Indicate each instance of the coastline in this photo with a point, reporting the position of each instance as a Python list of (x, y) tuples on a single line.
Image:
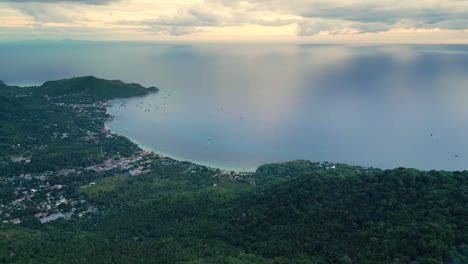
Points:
[(174, 157)]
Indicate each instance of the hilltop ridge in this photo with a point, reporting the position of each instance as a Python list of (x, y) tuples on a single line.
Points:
[(95, 87)]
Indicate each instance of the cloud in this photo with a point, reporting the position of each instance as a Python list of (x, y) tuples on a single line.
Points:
[(334, 17), (185, 21), (363, 16), (90, 2), (189, 17), (71, 12), (311, 17), (195, 18), (310, 27), (50, 13), (173, 30)]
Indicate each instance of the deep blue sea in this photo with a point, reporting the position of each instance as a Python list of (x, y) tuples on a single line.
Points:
[(237, 106)]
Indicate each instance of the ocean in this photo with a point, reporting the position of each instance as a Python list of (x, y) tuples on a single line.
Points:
[(237, 106)]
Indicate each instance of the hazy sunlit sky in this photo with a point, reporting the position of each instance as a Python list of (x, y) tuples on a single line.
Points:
[(335, 21)]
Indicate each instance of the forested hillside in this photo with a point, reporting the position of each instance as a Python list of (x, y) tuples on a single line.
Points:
[(58, 125), (72, 192), (96, 88), (399, 215), (342, 215)]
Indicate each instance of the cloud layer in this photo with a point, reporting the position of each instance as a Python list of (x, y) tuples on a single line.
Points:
[(91, 2), (364, 16), (306, 17), (312, 17), (195, 18)]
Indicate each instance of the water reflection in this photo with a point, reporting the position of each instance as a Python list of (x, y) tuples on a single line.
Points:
[(239, 106)]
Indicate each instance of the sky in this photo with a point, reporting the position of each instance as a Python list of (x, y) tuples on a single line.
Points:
[(302, 21)]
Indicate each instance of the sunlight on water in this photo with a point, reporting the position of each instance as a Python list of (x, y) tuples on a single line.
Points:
[(238, 106)]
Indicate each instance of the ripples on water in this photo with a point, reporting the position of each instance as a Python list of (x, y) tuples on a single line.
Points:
[(238, 106)]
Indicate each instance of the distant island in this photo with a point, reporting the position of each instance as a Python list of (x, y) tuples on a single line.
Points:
[(71, 191)]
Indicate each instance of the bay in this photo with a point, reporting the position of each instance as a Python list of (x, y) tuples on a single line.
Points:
[(237, 106)]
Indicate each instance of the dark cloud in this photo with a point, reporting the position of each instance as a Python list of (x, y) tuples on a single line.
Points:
[(56, 11), (42, 13), (311, 16), (366, 13), (90, 2), (334, 16)]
